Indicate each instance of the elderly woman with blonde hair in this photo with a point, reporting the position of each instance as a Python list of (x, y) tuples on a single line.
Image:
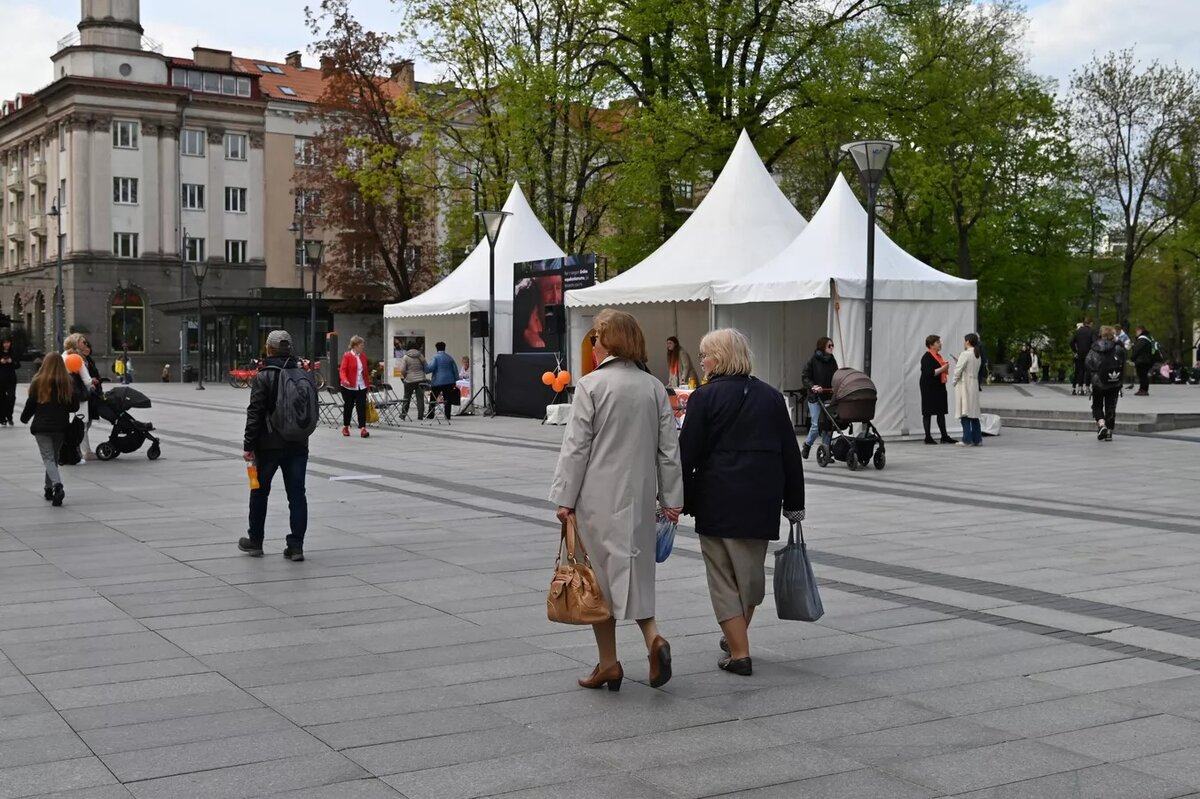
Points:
[(620, 454), (741, 469)]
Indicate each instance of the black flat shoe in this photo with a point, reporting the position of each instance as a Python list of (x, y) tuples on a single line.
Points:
[(742, 666), (724, 645), (250, 548), (48, 493), (56, 499), (948, 440), (930, 441)]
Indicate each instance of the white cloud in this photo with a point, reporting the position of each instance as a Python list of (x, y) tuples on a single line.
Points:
[(1064, 34)]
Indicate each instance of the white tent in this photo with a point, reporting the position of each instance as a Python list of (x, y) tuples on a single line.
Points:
[(443, 312), (817, 286), (742, 222)]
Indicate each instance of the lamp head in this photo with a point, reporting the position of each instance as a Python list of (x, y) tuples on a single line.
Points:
[(492, 222), (1097, 279), (871, 158), (293, 228), (54, 209), (199, 270), (313, 249)]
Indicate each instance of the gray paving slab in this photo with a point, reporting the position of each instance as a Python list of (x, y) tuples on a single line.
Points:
[(987, 766), (1127, 740), (1095, 782), (60, 775), (862, 784), (257, 779)]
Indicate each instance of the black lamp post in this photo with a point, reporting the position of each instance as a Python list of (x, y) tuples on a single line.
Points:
[(871, 158), (313, 250), (1096, 278), (60, 307), (492, 222), (200, 271)]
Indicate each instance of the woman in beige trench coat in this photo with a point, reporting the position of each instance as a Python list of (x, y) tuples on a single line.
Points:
[(966, 391), (619, 453)]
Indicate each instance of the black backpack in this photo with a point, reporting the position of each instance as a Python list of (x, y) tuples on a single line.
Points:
[(294, 413), (1110, 369)]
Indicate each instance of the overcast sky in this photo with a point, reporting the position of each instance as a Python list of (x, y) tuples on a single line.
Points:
[(1063, 33)]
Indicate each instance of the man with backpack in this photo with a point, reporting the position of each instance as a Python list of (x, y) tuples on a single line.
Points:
[(1106, 364), (1145, 352), (282, 414)]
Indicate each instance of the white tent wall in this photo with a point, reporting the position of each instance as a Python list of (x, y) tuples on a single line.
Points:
[(781, 335), (455, 330), (687, 321)]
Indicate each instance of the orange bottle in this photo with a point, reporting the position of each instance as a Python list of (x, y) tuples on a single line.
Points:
[(252, 474)]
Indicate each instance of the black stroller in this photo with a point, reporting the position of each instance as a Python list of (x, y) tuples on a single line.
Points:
[(128, 434), (851, 400)]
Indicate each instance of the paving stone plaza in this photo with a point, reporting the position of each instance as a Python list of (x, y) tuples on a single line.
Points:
[(1016, 621)]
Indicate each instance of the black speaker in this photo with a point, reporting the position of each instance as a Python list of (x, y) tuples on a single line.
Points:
[(479, 324), (556, 319)]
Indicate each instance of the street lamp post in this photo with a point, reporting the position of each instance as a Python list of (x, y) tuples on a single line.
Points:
[(60, 307), (312, 253), (1096, 277), (871, 158), (123, 283), (492, 222), (200, 271)]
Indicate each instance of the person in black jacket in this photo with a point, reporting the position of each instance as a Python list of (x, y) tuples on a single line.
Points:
[(1106, 363), (1142, 356), (271, 453), (53, 397), (1081, 345), (741, 468), (8, 381), (934, 397), (817, 379)]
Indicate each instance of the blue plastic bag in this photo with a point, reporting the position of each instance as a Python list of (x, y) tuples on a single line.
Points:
[(664, 536)]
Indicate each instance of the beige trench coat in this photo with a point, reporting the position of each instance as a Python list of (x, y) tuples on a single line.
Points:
[(966, 385), (620, 453)]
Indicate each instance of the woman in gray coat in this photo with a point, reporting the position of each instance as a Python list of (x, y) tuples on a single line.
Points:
[(619, 454)]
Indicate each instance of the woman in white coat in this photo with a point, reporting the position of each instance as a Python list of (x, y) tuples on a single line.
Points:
[(966, 392), (619, 454)]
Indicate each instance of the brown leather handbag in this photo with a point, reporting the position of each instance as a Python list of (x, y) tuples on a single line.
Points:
[(575, 596)]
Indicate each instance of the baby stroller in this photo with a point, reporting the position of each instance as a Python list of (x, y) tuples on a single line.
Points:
[(128, 434), (851, 400)]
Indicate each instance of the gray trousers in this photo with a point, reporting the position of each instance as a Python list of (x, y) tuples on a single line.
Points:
[(49, 445)]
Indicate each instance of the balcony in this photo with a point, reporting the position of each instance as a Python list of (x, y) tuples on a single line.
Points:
[(16, 230), (37, 223), (15, 180), (37, 172)]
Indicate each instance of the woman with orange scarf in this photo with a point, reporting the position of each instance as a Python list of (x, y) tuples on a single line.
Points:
[(934, 399)]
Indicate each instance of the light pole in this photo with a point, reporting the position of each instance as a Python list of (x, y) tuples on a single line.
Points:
[(123, 284), (312, 253), (871, 158), (492, 222), (60, 307), (1096, 277), (298, 228), (200, 271)]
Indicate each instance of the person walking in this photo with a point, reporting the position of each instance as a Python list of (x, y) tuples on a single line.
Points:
[(272, 448), (1106, 363), (966, 392), (1081, 345), (1035, 365), (53, 397), (817, 378), (9, 364), (353, 375), (412, 374), (738, 442), (442, 376), (1145, 348), (619, 452), (680, 371), (934, 398), (1024, 363)]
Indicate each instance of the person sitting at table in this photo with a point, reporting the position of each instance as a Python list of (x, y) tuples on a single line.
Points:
[(680, 371), (464, 373)]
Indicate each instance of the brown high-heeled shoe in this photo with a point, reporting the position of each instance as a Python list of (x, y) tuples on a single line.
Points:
[(611, 676), (660, 662)]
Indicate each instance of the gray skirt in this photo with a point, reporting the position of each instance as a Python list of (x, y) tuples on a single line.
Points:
[(736, 571)]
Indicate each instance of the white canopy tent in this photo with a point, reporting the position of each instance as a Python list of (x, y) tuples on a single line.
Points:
[(443, 312), (742, 222), (817, 286)]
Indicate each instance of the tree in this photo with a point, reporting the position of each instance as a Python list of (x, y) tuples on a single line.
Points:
[(375, 174), (1137, 131)]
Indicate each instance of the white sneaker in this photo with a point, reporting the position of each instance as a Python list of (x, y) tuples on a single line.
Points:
[(959, 444)]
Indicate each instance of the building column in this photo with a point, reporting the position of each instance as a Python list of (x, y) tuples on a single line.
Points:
[(168, 190), (215, 206)]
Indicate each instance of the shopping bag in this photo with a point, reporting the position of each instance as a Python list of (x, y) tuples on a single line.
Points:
[(575, 596), (796, 595), (69, 454), (372, 413), (664, 536)]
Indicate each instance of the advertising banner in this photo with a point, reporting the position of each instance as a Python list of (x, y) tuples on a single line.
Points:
[(539, 317)]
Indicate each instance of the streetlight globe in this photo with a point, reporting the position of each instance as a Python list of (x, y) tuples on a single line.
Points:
[(871, 157), (492, 222), (199, 270), (313, 250), (1097, 279)]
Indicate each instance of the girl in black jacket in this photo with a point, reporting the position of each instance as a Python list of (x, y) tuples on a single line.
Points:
[(8, 381), (53, 397)]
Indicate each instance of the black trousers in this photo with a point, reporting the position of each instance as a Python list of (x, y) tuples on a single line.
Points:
[(1143, 373), (941, 421), (8, 399), (1080, 377), (417, 388), (434, 393), (1104, 405), (354, 399)]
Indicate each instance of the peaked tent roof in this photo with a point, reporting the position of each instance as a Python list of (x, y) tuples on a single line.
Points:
[(834, 246), (742, 222), (522, 238)]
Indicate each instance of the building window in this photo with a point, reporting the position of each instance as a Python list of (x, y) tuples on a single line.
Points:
[(305, 152), (193, 141), (235, 200), (62, 137), (125, 134), (193, 197), (243, 87), (210, 82), (308, 202), (62, 193), (235, 251), (125, 245), (683, 190), (288, 90), (125, 191), (128, 322), (228, 84), (235, 146), (193, 249)]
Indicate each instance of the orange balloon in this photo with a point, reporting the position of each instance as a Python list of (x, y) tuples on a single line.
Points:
[(565, 377), (74, 363), (559, 385), (547, 378)]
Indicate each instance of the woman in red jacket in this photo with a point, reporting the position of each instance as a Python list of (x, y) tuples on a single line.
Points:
[(355, 377)]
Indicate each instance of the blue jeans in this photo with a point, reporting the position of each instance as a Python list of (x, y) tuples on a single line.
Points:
[(972, 431), (814, 428), (293, 464)]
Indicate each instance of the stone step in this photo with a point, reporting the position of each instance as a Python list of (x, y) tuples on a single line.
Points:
[(1083, 424), (1083, 412)]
